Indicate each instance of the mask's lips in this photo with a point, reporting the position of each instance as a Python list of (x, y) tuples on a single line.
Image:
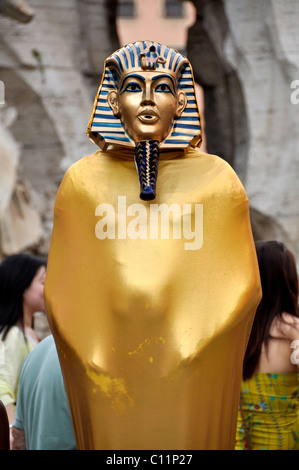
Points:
[(148, 115)]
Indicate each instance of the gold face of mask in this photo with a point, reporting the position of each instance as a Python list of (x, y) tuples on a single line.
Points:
[(147, 103)]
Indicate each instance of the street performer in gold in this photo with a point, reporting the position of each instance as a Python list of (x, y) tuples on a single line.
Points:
[(152, 280)]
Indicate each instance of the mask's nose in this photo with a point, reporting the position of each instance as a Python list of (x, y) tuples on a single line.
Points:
[(148, 95)]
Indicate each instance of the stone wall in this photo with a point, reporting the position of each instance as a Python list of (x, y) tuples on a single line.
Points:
[(245, 54), (51, 66)]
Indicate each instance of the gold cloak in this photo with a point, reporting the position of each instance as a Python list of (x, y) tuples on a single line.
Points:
[(151, 334)]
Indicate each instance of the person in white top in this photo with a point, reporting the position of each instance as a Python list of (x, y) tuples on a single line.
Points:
[(22, 279)]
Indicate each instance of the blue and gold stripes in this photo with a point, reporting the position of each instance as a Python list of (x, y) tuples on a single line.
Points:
[(105, 129), (104, 123), (187, 127)]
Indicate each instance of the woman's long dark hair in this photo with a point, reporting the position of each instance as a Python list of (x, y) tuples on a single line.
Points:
[(279, 281), (16, 274)]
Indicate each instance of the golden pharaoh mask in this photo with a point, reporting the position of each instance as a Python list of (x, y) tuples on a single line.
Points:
[(105, 128)]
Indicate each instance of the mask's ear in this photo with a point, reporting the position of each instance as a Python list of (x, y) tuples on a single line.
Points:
[(113, 102), (182, 103)]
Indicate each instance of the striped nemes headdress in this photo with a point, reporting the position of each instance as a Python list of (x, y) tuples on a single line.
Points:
[(106, 129)]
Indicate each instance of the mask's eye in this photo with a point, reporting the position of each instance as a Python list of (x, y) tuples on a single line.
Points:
[(163, 88), (133, 87)]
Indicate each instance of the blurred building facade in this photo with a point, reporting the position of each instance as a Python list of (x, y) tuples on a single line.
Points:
[(163, 21)]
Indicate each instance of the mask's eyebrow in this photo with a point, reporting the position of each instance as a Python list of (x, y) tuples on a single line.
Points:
[(131, 75), (163, 75)]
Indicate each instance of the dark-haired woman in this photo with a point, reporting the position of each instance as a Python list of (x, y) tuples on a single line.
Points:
[(268, 416), (22, 279)]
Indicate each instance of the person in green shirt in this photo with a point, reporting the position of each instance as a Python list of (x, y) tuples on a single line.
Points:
[(43, 419)]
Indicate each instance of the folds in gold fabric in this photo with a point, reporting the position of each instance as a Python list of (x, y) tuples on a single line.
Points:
[(151, 302)]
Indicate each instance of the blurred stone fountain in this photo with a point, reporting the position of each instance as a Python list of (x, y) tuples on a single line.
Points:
[(51, 59), (245, 55)]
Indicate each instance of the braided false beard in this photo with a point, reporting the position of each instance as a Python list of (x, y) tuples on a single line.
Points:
[(146, 160)]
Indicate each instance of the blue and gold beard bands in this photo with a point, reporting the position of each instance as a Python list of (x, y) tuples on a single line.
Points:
[(147, 160)]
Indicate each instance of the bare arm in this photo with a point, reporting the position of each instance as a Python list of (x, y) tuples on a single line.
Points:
[(10, 413), (18, 439), (287, 327)]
